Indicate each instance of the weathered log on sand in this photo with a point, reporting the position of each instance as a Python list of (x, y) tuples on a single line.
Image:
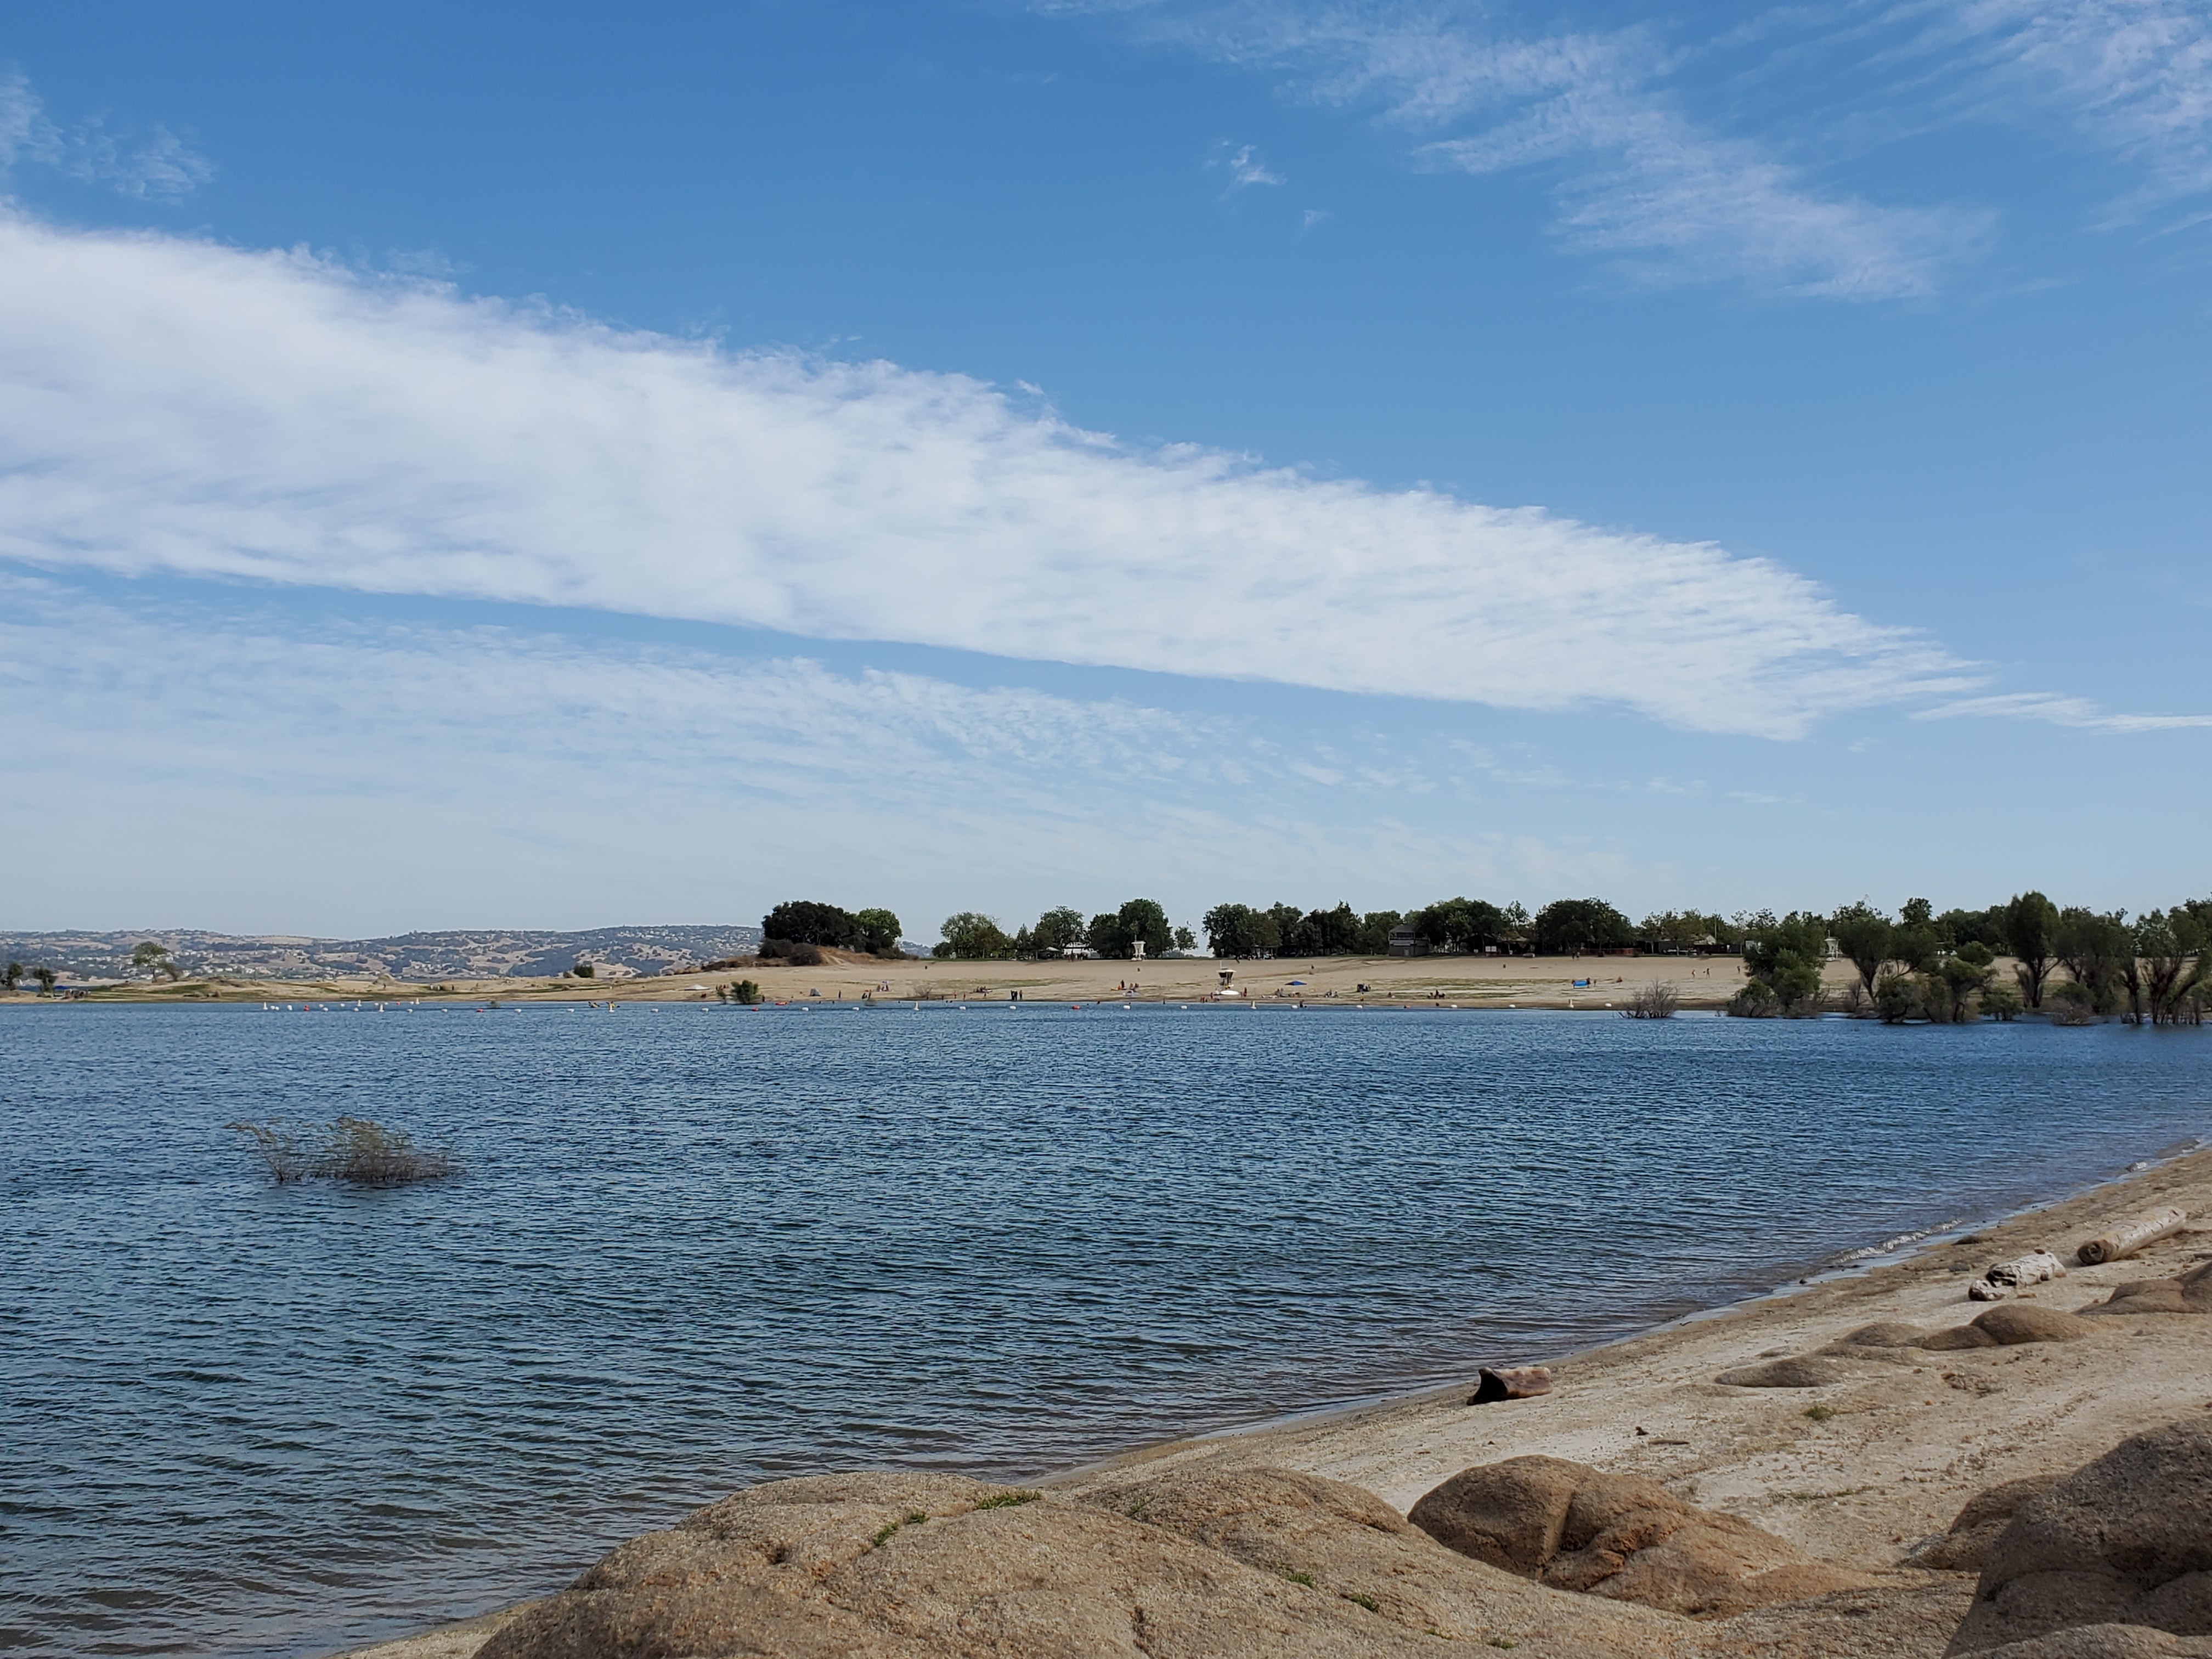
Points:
[(2009, 1276), (1518, 1383), (2124, 1241)]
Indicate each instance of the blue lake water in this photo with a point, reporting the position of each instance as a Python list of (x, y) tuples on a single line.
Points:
[(696, 1247)]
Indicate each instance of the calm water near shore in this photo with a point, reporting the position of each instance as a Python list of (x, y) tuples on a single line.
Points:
[(696, 1247)]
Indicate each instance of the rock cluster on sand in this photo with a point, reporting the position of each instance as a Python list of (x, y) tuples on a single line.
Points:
[(1619, 1536), (2190, 1293), (2124, 1542), (2113, 1561)]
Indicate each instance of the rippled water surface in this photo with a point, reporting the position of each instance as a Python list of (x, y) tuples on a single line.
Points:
[(696, 1247)]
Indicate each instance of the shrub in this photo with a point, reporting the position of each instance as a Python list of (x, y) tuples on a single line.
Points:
[(745, 992), (584, 970), (2002, 1001), (797, 952), (355, 1149), (1653, 1001), (2070, 1004), (1896, 998), (1756, 1000)]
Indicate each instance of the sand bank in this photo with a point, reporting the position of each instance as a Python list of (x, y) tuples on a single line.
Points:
[(1855, 1472), (1419, 982)]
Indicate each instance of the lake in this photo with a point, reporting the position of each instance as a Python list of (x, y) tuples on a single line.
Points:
[(696, 1247)]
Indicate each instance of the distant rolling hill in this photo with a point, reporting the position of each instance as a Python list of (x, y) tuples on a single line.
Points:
[(457, 953)]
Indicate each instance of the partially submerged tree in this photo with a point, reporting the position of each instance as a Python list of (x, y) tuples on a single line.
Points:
[(2098, 950), (1784, 959), (2030, 924), (2176, 966)]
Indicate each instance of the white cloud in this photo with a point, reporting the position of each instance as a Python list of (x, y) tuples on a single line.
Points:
[(219, 762), (2074, 711), (2136, 75), (159, 166), (1637, 175), (1244, 166), (168, 405)]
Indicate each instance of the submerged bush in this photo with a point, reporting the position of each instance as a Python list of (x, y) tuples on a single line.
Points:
[(1657, 1000), (355, 1149)]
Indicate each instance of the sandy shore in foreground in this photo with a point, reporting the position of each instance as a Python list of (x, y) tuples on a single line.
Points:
[(1856, 1473)]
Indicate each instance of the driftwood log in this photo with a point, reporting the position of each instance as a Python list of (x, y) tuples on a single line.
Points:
[(2123, 1242), (1519, 1382), (2006, 1277)]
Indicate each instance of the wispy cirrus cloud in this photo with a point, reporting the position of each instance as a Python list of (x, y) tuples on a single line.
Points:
[(171, 405), (1637, 174), (2134, 75), (2078, 713), (159, 166), (469, 769)]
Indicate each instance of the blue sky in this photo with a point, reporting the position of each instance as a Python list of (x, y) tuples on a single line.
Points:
[(553, 467)]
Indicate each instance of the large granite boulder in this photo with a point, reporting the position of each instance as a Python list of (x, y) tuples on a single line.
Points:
[(904, 1567), (1195, 1565), (1575, 1527), (2014, 1323), (2124, 1541), (2106, 1641), (1348, 1543), (1987, 1514), (2190, 1293), (1798, 1372)]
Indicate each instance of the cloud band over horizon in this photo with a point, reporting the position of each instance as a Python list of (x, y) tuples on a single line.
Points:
[(179, 406)]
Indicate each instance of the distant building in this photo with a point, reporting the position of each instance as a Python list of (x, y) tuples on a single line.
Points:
[(1406, 941)]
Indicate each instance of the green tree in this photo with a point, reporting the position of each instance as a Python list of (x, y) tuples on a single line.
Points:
[(153, 958), (1786, 957), (1951, 987), (1238, 930), (1185, 940), (1375, 930), (1142, 920), (1573, 925), (1915, 941), (2176, 969), (584, 970), (876, 931), (1325, 933), (1985, 927), (11, 976), (45, 976), (1057, 929), (804, 922), (2030, 924), (1863, 935), (971, 936), (2092, 946), (1466, 925)]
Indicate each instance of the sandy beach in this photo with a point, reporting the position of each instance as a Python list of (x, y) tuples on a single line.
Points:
[(1429, 982), (1857, 1473)]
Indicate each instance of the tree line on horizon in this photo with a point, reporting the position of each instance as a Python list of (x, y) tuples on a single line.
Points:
[(1918, 964)]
